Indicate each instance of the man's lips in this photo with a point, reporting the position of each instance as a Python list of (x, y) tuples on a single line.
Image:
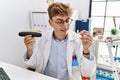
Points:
[(63, 30)]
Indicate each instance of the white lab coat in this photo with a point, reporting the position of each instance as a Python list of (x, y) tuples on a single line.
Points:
[(41, 52)]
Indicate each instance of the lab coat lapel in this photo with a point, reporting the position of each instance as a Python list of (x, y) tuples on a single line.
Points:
[(47, 49), (69, 58), (70, 50)]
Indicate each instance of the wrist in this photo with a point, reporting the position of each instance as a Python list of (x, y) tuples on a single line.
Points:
[(86, 52), (29, 53)]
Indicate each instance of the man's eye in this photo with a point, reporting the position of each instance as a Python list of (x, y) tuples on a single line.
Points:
[(67, 20), (59, 22)]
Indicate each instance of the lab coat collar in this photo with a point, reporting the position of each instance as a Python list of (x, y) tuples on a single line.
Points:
[(49, 35), (71, 37), (70, 50)]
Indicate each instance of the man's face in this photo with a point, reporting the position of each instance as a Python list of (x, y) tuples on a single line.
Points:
[(60, 24)]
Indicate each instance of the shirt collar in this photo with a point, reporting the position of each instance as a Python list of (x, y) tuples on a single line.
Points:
[(53, 36)]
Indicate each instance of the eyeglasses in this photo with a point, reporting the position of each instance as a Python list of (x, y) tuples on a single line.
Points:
[(61, 21)]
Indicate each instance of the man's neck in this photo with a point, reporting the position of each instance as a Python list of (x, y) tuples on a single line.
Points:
[(59, 37)]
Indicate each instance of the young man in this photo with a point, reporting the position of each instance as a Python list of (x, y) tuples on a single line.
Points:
[(61, 53)]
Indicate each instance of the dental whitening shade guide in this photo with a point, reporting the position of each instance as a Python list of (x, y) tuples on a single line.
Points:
[(33, 33)]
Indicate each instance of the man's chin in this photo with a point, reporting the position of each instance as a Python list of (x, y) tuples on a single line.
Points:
[(65, 33)]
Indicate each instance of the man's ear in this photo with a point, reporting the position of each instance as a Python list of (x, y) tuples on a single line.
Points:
[(50, 22)]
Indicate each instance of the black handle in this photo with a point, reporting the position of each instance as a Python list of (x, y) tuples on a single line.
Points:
[(34, 34)]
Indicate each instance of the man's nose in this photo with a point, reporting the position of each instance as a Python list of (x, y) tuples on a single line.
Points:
[(65, 24)]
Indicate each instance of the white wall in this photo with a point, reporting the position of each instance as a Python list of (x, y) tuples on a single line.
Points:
[(81, 5), (14, 17)]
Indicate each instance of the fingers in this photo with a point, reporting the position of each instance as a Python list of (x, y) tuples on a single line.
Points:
[(84, 32), (29, 40), (86, 36)]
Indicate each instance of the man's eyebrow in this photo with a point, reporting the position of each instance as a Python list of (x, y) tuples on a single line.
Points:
[(62, 19), (59, 19)]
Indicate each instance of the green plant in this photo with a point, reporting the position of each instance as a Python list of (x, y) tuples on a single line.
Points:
[(114, 31), (94, 34)]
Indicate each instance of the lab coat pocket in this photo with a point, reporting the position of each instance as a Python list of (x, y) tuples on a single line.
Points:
[(76, 72), (75, 68)]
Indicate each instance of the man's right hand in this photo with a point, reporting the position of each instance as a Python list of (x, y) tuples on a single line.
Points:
[(29, 42)]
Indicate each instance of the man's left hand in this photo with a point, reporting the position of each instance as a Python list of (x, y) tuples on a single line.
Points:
[(86, 40)]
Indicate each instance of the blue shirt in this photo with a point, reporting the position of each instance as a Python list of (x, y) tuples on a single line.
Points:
[(57, 62)]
